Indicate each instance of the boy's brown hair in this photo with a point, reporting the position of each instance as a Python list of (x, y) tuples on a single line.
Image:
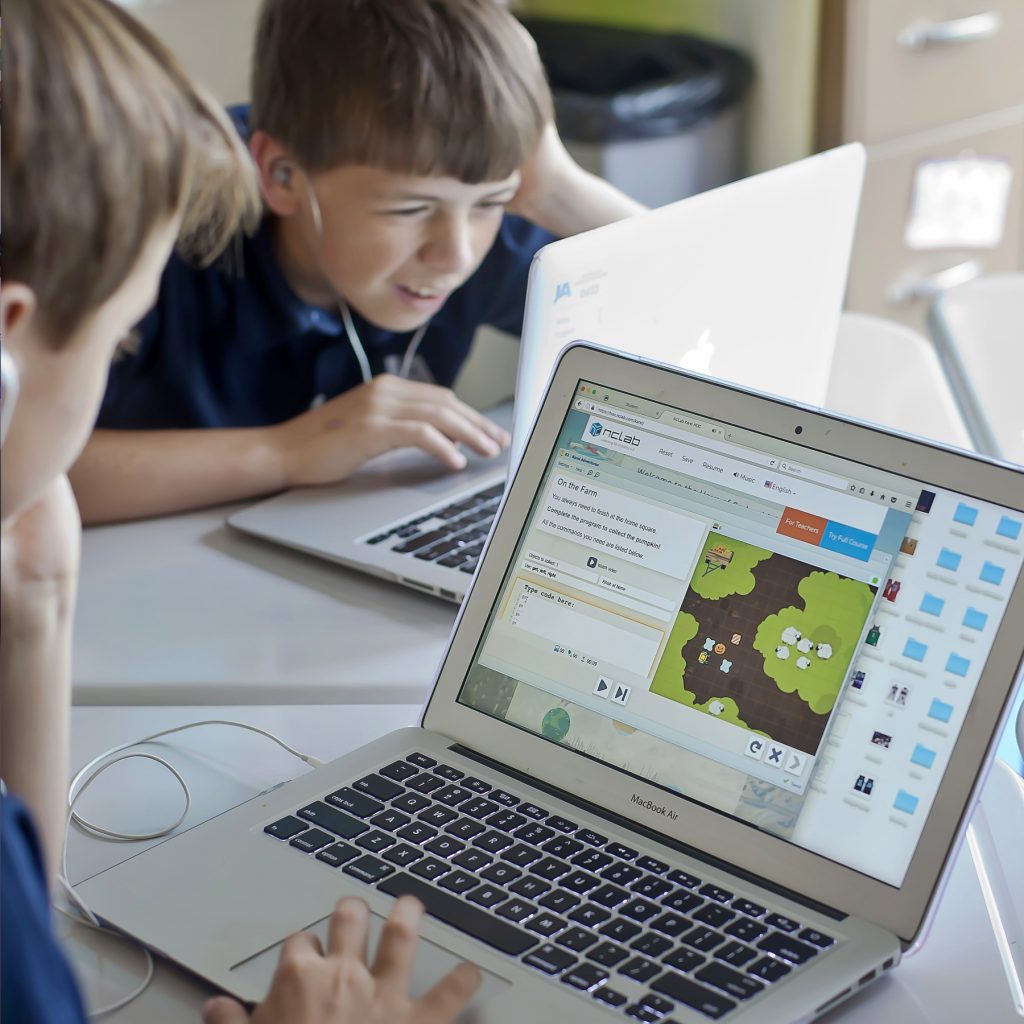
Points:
[(428, 87), (104, 139)]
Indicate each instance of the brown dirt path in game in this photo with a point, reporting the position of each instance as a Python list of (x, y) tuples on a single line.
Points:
[(783, 716)]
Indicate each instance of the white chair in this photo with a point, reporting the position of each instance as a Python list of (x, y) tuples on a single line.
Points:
[(889, 374), (978, 331)]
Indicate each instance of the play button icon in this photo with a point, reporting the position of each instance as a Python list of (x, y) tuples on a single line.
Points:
[(603, 687)]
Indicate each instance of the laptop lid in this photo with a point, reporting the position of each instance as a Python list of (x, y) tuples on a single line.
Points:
[(781, 638), (704, 282)]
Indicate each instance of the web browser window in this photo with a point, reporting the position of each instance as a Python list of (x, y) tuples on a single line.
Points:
[(746, 622)]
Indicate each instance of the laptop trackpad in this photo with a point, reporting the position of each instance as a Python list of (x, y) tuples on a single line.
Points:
[(431, 964)]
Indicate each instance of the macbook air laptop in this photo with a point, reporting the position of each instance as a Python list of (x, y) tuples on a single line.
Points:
[(702, 283), (711, 723)]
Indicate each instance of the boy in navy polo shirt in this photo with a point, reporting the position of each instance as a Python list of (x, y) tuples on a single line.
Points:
[(409, 170)]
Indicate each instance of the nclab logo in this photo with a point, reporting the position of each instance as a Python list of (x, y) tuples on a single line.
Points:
[(595, 429)]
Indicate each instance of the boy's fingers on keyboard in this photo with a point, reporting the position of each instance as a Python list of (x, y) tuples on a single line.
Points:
[(398, 943), (349, 928), (449, 996), (417, 434), (454, 424), (301, 945)]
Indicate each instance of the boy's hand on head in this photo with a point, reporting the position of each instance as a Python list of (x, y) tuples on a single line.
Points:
[(338, 986), (328, 444), (545, 177)]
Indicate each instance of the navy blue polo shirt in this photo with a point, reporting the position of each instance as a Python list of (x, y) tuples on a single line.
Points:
[(233, 346)]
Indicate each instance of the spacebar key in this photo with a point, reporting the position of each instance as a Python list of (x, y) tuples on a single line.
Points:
[(461, 915)]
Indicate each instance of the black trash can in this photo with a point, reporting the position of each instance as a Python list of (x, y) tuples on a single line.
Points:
[(657, 115)]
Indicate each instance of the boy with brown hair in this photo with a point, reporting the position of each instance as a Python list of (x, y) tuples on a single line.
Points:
[(409, 169), (109, 155)]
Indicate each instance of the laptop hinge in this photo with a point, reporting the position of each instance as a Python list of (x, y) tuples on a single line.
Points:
[(649, 833)]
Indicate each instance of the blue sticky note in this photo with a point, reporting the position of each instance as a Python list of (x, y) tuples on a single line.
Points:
[(973, 619), (992, 573), (948, 560), (914, 649), (905, 802), (965, 514), (932, 605), (1009, 528), (957, 665), (923, 756), (940, 710)]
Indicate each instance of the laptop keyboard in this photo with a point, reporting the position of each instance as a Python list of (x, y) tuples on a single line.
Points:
[(452, 535), (599, 917)]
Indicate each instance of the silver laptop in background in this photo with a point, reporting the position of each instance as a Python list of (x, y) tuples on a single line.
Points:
[(744, 282), (705, 740)]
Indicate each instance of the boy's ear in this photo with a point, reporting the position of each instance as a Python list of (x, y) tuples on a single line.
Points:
[(276, 173), (17, 307)]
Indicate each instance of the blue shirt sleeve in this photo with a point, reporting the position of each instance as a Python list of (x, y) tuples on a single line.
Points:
[(506, 271), (36, 983)]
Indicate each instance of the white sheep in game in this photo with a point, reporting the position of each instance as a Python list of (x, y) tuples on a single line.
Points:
[(804, 645), (782, 652), (790, 635), (716, 707), (824, 651), (803, 662)]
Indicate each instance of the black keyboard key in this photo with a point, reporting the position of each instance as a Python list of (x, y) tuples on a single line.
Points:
[(444, 846), (683, 878), (493, 842), (359, 804), (580, 881), (703, 938), (651, 888), (446, 771), (608, 954), (748, 907), (417, 832), (431, 868), (488, 928), (682, 902), (816, 938), (610, 996), (311, 840), (479, 808), (285, 828), (546, 924), (506, 820), (788, 948), (375, 841), (390, 821), (338, 822), (421, 540), (585, 977), (769, 969), (516, 910), (504, 798), (651, 944), (473, 860), (529, 887), (746, 930), (716, 893), (550, 959), (739, 986), (620, 930), (651, 1008), (338, 854), (671, 924), (609, 896), (521, 855), (589, 915), (658, 867), (459, 881), (621, 874), (577, 939), (475, 785), (784, 924), (452, 796), (590, 837), (563, 846), (685, 960), (688, 992), (465, 828), (425, 783), (500, 873), (535, 834), (379, 788), (438, 816), (560, 824), (549, 868), (410, 803), (592, 860), (398, 771), (639, 910), (368, 869), (714, 915), (487, 895), (403, 855), (560, 901), (735, 953), (532, 811), (625, 852), (639, 969), (420, 760)]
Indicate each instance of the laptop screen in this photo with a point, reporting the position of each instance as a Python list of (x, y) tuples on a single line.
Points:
[(790, 638)]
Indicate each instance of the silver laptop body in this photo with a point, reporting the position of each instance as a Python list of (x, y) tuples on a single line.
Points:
[(743, 664), (702, 283)]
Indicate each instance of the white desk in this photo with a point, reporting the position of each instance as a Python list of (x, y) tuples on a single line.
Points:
[(956, 977), (184, 610)]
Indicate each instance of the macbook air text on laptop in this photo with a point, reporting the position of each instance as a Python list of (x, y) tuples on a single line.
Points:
[(702, 283), (710, 726)]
